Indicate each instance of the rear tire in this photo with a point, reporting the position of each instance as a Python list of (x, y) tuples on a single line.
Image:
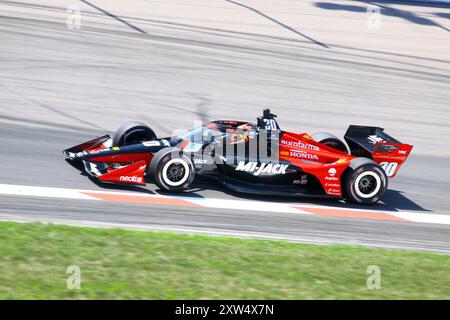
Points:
[(330, 140), (133, 133), (364, 181), (172, 170)]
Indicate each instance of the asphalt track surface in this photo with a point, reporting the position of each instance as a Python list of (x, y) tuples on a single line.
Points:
[(169, 64)]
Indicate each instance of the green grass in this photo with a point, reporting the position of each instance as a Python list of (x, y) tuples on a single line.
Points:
[(122, 264)]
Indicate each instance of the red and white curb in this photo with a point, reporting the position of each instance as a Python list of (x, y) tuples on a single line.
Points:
[(231, 204)]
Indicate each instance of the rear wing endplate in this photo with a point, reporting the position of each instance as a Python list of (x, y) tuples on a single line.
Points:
[(374, 143)]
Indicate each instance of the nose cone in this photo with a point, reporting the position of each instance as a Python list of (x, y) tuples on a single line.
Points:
[(70, 155)]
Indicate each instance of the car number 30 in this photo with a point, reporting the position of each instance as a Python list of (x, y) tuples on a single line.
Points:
[(270, 124), (389, 168)]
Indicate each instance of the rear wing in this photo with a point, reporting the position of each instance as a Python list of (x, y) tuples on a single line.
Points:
[(374, 143)]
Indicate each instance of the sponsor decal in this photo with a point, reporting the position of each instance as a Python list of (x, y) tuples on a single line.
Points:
[(331, 175), (200, 161), (303, 180), (97, 151), (116, 148), (341, 161), (151, 143), (334, 191), (269, 168), (332, 172), (374, 139), (163, 142), (402, 152), (336, 185), (134, 179), (299, 144), (303, 154)]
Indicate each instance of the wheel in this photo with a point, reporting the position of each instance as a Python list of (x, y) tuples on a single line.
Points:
[(172, 171), (330, 140), (132, 133), (364, 181)]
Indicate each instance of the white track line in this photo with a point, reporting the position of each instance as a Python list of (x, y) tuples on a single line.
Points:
[(242, 205), (423, 217), (28, 191), (247, 205)]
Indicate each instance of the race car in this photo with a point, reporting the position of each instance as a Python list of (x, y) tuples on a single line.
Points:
[(248, 157)]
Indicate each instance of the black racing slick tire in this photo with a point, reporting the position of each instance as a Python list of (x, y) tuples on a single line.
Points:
[(364, 181), (172, 171), (330, 140), (133, 132)]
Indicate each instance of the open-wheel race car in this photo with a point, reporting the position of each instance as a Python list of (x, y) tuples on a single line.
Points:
[(250, 158)]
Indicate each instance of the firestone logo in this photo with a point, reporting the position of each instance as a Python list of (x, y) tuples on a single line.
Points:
[(134, 179)]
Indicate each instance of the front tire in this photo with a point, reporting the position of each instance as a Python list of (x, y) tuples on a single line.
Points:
[(364, 182), (133, 132), (172, 170)]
